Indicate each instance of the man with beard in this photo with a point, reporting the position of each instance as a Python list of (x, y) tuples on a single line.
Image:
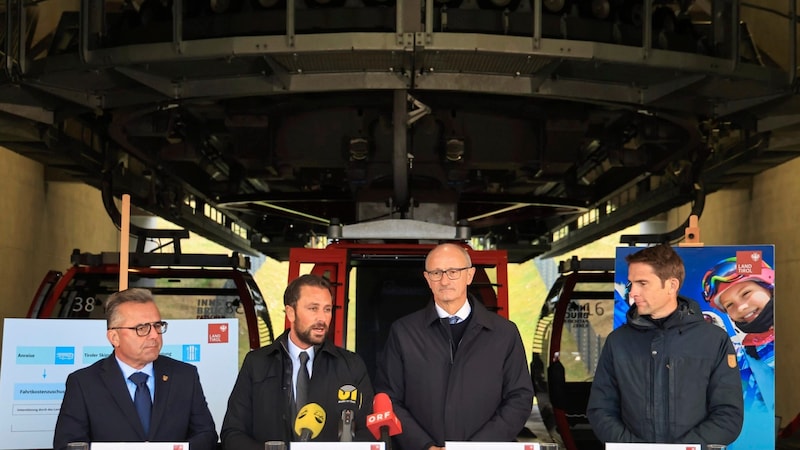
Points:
[(748, 299), (266, 399)]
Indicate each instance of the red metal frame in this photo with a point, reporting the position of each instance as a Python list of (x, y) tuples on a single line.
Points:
[(562, 423), (51, 300), (47, 285), (333, 262), (330, 263)]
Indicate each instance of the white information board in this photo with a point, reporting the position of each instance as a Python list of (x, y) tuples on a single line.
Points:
[(38, 354)]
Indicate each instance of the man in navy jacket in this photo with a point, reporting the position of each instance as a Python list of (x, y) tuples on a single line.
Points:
[(98, 404), (666, 376), (454, 370)]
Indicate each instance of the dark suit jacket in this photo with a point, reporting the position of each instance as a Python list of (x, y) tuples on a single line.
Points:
[(97, 407), (260, 407)]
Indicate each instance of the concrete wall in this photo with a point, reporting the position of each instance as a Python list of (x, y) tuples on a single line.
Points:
[(765, 210), (40, 223)]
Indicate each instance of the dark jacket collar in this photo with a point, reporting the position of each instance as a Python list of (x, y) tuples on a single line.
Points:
[(688, 312)]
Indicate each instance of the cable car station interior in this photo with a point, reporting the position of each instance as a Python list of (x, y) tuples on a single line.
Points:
[(347, 137)]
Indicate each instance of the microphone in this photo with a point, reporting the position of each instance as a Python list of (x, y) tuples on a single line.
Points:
[(309, 422), (382, 422), (349, 400), (346, 430)]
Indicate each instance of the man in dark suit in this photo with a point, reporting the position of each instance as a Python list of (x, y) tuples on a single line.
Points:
[(102, 403), (276, 381)]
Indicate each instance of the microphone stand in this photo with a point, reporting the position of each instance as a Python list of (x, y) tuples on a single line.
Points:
[(385, 437), (346, 432)]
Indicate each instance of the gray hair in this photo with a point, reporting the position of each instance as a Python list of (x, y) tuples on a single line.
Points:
[(132, 295)]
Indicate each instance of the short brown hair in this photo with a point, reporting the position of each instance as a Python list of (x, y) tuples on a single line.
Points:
[(292, 293), (135, 295), (663, 259)]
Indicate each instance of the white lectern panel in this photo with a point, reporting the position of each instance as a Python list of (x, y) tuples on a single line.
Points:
[(628, 446), (457, 445), (337, 446), (139, 446)]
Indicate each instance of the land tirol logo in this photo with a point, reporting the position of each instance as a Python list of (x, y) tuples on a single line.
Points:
[(748, 262), (218, 333)]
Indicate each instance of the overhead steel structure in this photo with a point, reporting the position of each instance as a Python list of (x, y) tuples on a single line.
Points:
[(540, 125)]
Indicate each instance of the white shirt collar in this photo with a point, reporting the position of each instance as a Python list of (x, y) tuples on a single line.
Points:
[(294, 350), (128, 370), (462, 312)]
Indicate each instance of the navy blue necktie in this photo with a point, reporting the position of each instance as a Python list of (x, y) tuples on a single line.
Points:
[(453, 320), (141, 399)]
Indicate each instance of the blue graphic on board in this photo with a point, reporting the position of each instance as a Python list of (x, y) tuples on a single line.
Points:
[(65, 355), (93, 353), (191, 353), (45, 355), (39, 391), (745, 274)]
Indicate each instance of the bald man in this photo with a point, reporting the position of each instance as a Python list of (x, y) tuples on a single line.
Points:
[(454, 370)]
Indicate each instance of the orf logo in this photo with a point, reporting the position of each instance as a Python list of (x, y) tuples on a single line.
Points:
[(379, 417), (218, 333), (348, 394)]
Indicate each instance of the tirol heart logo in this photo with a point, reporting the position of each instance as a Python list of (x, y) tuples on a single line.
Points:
[(217, 333), (748, 262)]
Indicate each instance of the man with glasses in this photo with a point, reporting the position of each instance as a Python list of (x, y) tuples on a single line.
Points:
[(454, 370), (135, 395)]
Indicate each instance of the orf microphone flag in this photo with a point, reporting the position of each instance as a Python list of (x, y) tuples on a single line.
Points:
[(382, 422), (310, 421)]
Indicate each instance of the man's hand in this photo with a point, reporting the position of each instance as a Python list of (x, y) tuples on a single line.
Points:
[(433, 447)]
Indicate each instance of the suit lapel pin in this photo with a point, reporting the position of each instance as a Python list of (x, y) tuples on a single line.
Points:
[(164, 377)]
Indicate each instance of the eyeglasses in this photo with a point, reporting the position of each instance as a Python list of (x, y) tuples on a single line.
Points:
[(453, 274), (143, 329)]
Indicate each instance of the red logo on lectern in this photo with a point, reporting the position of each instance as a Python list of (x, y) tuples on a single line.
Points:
[(217, 333)]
